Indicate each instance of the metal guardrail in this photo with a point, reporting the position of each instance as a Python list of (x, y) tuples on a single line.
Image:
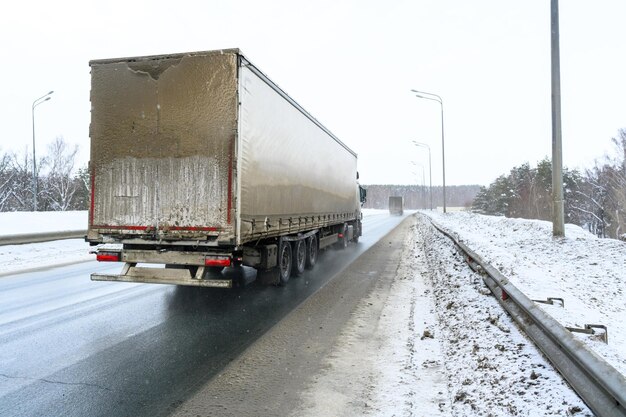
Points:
[(41, 237), (601, 386)]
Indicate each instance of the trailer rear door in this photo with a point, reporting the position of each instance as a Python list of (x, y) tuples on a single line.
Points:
[(162, 143)]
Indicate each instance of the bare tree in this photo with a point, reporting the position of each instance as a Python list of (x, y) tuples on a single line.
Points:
[(617, 184), (59, 185), (6, 177), (21, 186)]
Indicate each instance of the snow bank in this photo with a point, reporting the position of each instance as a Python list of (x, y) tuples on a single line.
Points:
[(491, 367), (17, 258), (20, 258), (587, 272)]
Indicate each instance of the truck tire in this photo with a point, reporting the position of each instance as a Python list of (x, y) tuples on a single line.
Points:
[(311, 252), (299, 257), (284, 263)]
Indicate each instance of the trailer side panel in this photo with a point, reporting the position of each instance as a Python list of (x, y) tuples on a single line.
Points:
[(293, 174)]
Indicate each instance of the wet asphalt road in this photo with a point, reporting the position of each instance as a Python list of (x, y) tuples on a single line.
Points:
[(72, 347)]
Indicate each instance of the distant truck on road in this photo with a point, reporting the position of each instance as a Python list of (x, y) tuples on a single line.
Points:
[(199, 162), (396, 204)]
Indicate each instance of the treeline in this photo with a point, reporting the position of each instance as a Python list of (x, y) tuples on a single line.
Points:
[(418, 197), (594, 198), (59, 185)]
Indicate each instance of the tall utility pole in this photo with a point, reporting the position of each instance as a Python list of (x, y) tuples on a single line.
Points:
[(36, 103), (438, 99), (558, 223)]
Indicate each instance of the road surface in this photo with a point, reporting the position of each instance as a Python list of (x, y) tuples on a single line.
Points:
[(72, 347)]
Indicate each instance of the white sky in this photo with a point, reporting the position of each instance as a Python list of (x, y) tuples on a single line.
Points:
[(351, 64)]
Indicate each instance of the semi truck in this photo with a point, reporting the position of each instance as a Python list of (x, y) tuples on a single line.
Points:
[(199, 162), (396, 205)]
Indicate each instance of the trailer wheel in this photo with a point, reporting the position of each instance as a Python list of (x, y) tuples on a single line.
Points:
[(311, 252), (284, 263), (299, 257)]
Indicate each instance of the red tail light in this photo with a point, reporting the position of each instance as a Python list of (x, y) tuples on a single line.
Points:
[(222, 261), (108, 256)]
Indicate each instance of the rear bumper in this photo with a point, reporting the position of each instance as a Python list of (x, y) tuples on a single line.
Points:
[(132, 273)]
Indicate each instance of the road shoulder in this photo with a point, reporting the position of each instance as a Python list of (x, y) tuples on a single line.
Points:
[(330, 343)]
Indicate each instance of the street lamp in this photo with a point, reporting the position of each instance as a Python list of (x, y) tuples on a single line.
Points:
[(36, 103), (430, 171), (435, 97)]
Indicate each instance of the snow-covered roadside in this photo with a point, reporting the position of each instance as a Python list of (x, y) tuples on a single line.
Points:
[(587, 272), (442, 345), (491, 367), (17, 258), (381, 365)]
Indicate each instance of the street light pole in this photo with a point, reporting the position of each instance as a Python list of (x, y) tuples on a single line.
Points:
[(36, 103), (558, 226), (435, 97), (430, 172)]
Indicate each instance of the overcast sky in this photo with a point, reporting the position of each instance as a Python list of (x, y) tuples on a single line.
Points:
[(351, 64)]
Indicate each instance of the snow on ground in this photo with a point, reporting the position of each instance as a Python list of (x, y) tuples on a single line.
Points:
[(491, 367), (16, 258), (380, 365), (24, 222), (373, 212), (442, 345), (587, 272)]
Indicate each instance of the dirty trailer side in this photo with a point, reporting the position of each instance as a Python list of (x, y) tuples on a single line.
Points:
[(199, 161)]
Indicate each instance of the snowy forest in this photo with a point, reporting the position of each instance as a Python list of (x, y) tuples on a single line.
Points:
[(60, 186), (595, 198)]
